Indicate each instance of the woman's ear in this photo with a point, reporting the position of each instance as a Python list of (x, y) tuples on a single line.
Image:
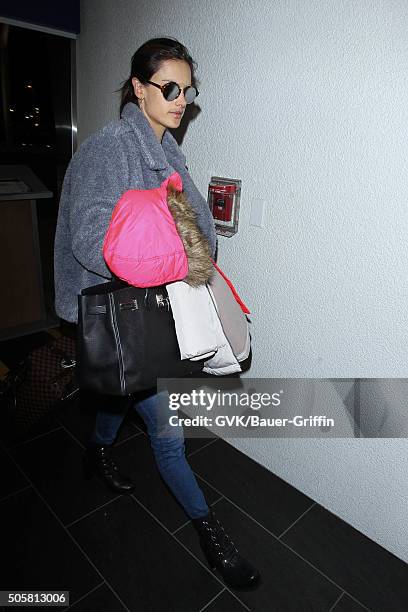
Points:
[(138, 88)]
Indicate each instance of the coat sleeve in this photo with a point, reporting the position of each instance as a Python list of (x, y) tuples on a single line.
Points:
[(99, 177)]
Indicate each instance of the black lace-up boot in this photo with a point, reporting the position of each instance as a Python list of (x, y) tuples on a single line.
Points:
[(222, 554), (98, 461)]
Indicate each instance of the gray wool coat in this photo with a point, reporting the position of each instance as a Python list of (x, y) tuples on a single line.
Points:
[(125, 154)]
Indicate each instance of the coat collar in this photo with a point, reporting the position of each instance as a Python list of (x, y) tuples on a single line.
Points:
[(157, 156)]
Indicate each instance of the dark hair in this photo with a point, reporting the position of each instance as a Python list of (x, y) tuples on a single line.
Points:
[(147, 60)]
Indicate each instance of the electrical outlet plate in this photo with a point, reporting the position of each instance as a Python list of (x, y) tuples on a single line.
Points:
[(257, 218)]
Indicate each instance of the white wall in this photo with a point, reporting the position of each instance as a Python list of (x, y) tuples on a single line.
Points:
[(307, 103)]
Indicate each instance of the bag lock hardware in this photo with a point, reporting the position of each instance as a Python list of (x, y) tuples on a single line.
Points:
[(162, 302)]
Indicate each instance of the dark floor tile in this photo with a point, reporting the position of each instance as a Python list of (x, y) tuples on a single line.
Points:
[(79, 418), (265, 496), (36, 551), (13, 433), (54, 464), (225, 603), (195, 444), (135, 457), (141, 561), (197, 438), (289, 584), (11, 478), (102, 600), (374, 576), (347, 604), (136, 420)]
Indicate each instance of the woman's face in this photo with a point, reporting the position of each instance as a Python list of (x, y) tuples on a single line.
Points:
[(160, 113)]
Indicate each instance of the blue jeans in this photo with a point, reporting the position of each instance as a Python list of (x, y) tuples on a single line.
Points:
[(167, 442)]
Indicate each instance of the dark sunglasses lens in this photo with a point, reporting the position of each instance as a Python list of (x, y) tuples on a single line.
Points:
[(190, 94), (171, 91)]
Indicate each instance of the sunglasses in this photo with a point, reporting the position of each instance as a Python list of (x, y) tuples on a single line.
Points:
[(171, 91)]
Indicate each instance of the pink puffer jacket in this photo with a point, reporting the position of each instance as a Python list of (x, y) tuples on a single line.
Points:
[(142, 245)]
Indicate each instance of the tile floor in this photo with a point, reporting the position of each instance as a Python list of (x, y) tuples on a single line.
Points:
[(140, 552)]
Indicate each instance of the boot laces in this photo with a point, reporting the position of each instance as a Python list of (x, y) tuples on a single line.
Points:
[(221, 540), (111, 464), (108, 462)]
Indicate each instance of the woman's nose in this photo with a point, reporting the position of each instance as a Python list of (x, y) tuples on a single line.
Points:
[(181, 101)]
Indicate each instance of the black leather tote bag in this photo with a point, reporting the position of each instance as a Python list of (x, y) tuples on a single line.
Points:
[(127, 339)]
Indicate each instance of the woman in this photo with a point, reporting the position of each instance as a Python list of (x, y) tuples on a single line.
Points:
[(137, 152)]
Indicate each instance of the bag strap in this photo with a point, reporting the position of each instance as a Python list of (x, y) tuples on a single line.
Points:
[(234, 291)]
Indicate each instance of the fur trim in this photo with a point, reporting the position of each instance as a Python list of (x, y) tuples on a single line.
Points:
[(200, 266)]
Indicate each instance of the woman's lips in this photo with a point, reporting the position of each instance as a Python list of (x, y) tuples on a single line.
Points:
[(176, 114)]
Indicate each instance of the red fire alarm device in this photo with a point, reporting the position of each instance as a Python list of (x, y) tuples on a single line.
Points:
[(223, 200)]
